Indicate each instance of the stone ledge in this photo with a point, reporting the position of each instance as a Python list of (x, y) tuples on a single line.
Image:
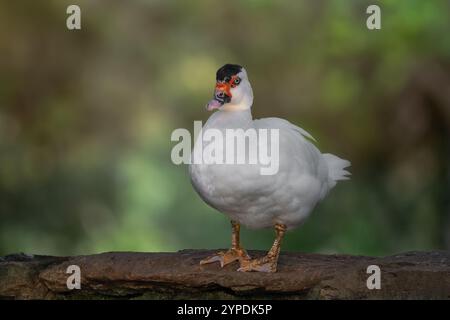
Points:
[(132, 275)]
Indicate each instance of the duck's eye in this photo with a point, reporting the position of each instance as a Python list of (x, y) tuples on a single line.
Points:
[(237, 81)]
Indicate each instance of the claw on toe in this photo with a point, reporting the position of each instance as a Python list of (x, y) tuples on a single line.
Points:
[(227, 257), (264, 264)]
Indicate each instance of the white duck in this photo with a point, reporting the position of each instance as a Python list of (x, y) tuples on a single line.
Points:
[(283, 200)]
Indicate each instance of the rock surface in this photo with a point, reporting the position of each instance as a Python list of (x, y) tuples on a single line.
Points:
[(127, 275)]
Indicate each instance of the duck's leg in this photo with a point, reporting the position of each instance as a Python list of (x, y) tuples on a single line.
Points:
[(269, 262), (235, 253)]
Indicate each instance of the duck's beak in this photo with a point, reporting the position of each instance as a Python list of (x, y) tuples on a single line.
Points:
[(222, 95), (213, 104)]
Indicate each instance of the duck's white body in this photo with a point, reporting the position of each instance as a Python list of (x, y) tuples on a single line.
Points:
[(304, 177)]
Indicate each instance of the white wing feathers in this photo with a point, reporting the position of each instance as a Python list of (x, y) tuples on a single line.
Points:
[(280, 123), (336, 166)]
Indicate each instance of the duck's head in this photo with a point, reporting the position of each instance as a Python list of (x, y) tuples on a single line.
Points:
[(233, 90)]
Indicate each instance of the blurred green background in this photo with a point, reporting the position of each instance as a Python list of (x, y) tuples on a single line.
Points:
[(86, 118)]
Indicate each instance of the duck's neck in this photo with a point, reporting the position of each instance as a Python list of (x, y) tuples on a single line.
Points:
[(230, 119), (235, 107), (244, 104)]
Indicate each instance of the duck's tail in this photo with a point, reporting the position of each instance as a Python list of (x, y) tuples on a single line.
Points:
[(336, 169)]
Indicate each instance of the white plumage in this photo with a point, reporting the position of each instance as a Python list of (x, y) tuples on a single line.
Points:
[(305, 175)]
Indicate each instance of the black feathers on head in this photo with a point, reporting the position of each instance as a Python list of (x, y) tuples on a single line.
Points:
[(227, 71)]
